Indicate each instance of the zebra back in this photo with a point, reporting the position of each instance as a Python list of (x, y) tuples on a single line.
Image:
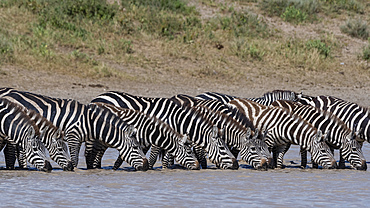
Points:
[(223, 98)]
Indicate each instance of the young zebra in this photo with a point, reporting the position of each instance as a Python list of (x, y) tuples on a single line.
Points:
[(236, 134), (152, 131), (52, 139), (18, 128), (183, 120), (339, 135), (284, 128), (356, 117), (81, 123)]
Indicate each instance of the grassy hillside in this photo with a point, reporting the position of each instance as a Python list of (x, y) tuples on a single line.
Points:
[(214, 39)]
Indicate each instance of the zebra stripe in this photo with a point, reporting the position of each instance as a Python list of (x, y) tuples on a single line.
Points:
[(79, 123), (153, 131), (16, 127), (339, 135), (183, 120), (236, 135), (356, 117)]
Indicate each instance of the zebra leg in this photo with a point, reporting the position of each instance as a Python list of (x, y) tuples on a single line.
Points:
[(234, 151), (22, 157), (303, 158), (98, 152), (10, 152), (167, 161), (281, 150), (90, 153), (201, 157), (154, 152), (342, 162)]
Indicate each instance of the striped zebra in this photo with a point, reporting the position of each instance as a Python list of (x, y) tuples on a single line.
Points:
[(237, 130), (284, 129), (82, 124), (152, 131), (339, 135), (183, 120), (17, 128), (52, 139), (356, 117)]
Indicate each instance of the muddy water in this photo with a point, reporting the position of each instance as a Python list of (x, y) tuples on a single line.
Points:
[(289, 187)]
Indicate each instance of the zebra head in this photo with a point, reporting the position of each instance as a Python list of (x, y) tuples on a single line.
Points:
[(185, 156), (351, 151), (219, 153), (59, 150), (255, 152), (131, 151), (35, 151), (320, 151)]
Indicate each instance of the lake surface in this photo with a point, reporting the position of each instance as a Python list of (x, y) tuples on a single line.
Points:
[(289, 187)]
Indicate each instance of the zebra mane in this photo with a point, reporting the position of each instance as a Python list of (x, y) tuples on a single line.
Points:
[(20, 109)]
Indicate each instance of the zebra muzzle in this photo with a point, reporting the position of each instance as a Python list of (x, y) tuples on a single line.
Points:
[(363, 166), (263, 164), (196, 166), (69, 166), (145, 166), (235, 165), (47, 167)]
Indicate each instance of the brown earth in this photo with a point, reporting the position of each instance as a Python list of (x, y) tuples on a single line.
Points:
[(166, 85)]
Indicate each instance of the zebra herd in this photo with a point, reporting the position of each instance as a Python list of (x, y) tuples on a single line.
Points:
[(187, 129)]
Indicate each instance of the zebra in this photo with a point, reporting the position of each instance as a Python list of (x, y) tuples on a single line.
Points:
[(356, 117), (155, 132), (81, 123), (183, 120), (52, 139), (339, 135), (284, 128), (17, 128), (236, 134)]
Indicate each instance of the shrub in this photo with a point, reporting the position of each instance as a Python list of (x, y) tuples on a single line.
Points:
[(244, 50), (292, 14), (322, 47), (366, 53), (356, 28)]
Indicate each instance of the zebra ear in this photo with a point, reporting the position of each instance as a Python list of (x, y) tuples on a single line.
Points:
[(256, 132), (249, 132), (184, 139), (131, 131), (319, 137), (215, 132)]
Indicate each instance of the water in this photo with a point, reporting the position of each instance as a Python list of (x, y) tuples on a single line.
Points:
[(289, 187)]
